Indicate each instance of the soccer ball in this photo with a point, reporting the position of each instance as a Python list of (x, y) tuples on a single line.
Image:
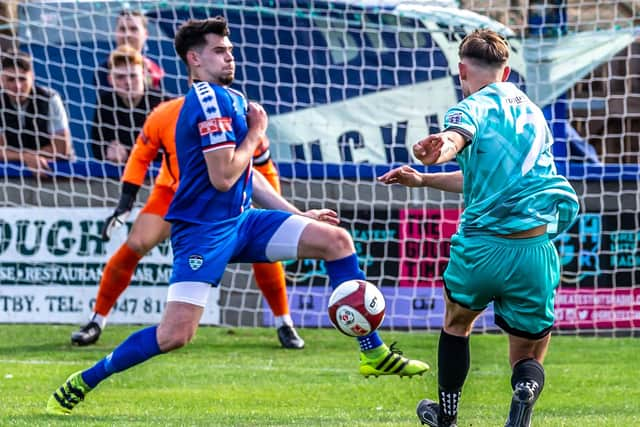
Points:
[(356, 308)]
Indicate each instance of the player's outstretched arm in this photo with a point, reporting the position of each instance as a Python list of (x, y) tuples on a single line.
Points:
[(438, 148), (403, 175), (266, 197), (409, 177)]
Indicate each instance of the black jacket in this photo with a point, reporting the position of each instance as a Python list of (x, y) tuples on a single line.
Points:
[(113, 120), (34, 133)]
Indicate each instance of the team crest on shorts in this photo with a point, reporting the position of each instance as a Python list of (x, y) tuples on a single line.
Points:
[(195, 262)]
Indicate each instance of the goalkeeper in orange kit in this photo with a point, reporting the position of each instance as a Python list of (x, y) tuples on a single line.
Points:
[(150, 228)]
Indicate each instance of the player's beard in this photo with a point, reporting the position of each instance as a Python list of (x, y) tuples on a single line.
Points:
[(226, 80)]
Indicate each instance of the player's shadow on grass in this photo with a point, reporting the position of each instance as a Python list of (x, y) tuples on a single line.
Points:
[(249, 345), (234, 339)]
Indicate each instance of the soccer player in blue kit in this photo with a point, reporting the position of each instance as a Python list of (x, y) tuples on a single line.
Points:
[(502, 252), (213, 223)]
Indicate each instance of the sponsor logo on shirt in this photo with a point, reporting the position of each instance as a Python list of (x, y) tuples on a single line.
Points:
[(215, 125), (515, 100)]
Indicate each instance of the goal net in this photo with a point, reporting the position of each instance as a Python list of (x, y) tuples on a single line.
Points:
[(349, 86)]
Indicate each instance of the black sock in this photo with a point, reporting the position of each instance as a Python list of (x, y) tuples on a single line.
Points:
[(528, 370), (453, 367)]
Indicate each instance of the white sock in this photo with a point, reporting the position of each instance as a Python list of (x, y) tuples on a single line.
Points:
[(283, 320), (100, 320)]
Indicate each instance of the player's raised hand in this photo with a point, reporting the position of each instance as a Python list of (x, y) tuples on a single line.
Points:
[(428, 150), (257, 118), (323, 215), (404, 175)]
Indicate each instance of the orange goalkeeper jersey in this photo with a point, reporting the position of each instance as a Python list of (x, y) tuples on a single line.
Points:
[(159, 132)]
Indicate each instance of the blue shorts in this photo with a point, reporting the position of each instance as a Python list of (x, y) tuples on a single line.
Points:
[(520, 276), (201, 252)]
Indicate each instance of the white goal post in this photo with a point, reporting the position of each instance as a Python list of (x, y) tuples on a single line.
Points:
[(348, 86)]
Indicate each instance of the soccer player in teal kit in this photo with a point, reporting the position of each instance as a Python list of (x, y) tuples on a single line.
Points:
[(514, 203), (213, 222)]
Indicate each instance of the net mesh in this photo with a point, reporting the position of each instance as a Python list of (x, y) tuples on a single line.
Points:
[(348, 89)]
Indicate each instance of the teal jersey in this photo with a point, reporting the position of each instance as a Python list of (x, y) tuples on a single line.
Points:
[(510, 179)]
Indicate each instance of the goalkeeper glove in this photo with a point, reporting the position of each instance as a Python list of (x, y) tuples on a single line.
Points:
[(120, 215)]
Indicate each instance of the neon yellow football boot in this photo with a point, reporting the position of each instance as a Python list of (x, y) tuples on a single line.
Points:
[(68, 395), (389, 361)]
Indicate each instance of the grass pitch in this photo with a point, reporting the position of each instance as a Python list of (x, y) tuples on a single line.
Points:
[(241, 377)]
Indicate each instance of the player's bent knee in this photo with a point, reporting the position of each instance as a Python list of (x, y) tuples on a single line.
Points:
[(327, 242), (138, 248), (457, 324), (341, 243), (459, 321), (140, 244)]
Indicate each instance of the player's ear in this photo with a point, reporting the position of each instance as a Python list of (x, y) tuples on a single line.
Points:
[(505, 73), (462, 71), (193, 58)]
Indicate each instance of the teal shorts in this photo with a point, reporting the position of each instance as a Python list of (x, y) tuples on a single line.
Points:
[(520, 276)]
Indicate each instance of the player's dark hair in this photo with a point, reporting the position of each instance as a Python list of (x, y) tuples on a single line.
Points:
[(192, 34), (15, 59), (485, 46)]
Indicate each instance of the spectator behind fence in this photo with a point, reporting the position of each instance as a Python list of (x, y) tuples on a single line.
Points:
[(122, 109), (34, 127), (131, 29)]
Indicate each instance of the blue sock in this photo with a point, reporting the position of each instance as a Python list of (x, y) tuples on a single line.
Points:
[(341, 270), (140, 346)]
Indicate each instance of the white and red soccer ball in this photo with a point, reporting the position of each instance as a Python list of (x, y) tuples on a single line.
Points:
[(356, 308)]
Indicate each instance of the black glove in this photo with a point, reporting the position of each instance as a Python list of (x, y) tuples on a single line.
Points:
[(120, 215)]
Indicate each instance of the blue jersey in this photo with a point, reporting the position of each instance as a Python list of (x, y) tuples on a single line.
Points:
[(212, 118), (510, 179)]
